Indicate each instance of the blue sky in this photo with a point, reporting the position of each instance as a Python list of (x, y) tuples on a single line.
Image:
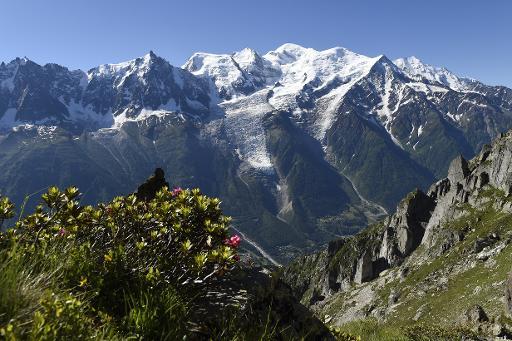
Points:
[(470, 37)]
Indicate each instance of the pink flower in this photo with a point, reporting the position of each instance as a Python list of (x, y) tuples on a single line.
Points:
[(176, 191), (62, 232), (233, 241)]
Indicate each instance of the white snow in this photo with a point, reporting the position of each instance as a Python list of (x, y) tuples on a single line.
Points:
[(416, 69), (244, 128), (276, 79), (471, 102), (426, 88), (300, 66), (178, 78), (79, 113), (9, 73), (145, 113), (282, 75), (454, 117), (8, 121), (280, 80), (121, 71)]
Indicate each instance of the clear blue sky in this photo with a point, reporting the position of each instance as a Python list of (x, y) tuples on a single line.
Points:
[(470, 37)]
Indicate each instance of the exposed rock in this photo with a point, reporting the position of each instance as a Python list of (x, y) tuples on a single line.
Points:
[(364, 271), (368, 254), (475, 314), (458, 169), (335, 245), (486, 150), (508, 295), (482, 243), (410, 220), (393, 298), (419, 313), (420, 239)]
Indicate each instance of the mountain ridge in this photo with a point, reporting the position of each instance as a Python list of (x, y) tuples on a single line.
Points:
[(438, 256), (249, 128)]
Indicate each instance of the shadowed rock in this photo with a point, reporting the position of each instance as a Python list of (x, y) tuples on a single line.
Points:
[(148, 190), (508, 295)]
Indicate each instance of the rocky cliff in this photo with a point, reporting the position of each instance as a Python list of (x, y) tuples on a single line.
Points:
[(441, 254)]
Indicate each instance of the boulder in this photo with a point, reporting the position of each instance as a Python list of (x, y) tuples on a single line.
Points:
[(475, 314)]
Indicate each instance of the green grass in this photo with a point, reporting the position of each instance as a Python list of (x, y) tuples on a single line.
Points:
[(372, 330)]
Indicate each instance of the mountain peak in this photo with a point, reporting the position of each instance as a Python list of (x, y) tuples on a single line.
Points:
[(247, 55), (291, 47), (417, 69), (290, 52), (151, 56), (19, 61)]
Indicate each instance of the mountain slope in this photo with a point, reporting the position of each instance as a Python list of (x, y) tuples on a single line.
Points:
[(302, 145), (432, 261), (327, 90)]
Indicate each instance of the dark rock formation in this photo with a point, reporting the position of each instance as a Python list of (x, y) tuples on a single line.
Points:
[(364, 256), (148, 190)]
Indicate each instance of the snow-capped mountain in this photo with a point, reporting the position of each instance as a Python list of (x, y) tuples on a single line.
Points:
[(319, 87), (418, 70), (309, 143), (105, 96)]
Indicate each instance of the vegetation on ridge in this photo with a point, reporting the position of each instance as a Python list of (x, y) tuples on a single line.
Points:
[(128, 269)]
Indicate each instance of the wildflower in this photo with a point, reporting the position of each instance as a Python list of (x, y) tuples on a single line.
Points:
[(176, 191), (62, 232), (233, 241)]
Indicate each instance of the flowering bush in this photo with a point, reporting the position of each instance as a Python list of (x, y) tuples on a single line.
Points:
[(179, 236), (117, 253)]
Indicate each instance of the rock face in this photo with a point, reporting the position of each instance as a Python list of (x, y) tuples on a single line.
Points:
[(463, 218), (363, 257), (491, 168), (104, 96), (475, 314)]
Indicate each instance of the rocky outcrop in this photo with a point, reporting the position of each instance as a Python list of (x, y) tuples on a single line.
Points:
[(362, 257), (490, 170), (421, 219)]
